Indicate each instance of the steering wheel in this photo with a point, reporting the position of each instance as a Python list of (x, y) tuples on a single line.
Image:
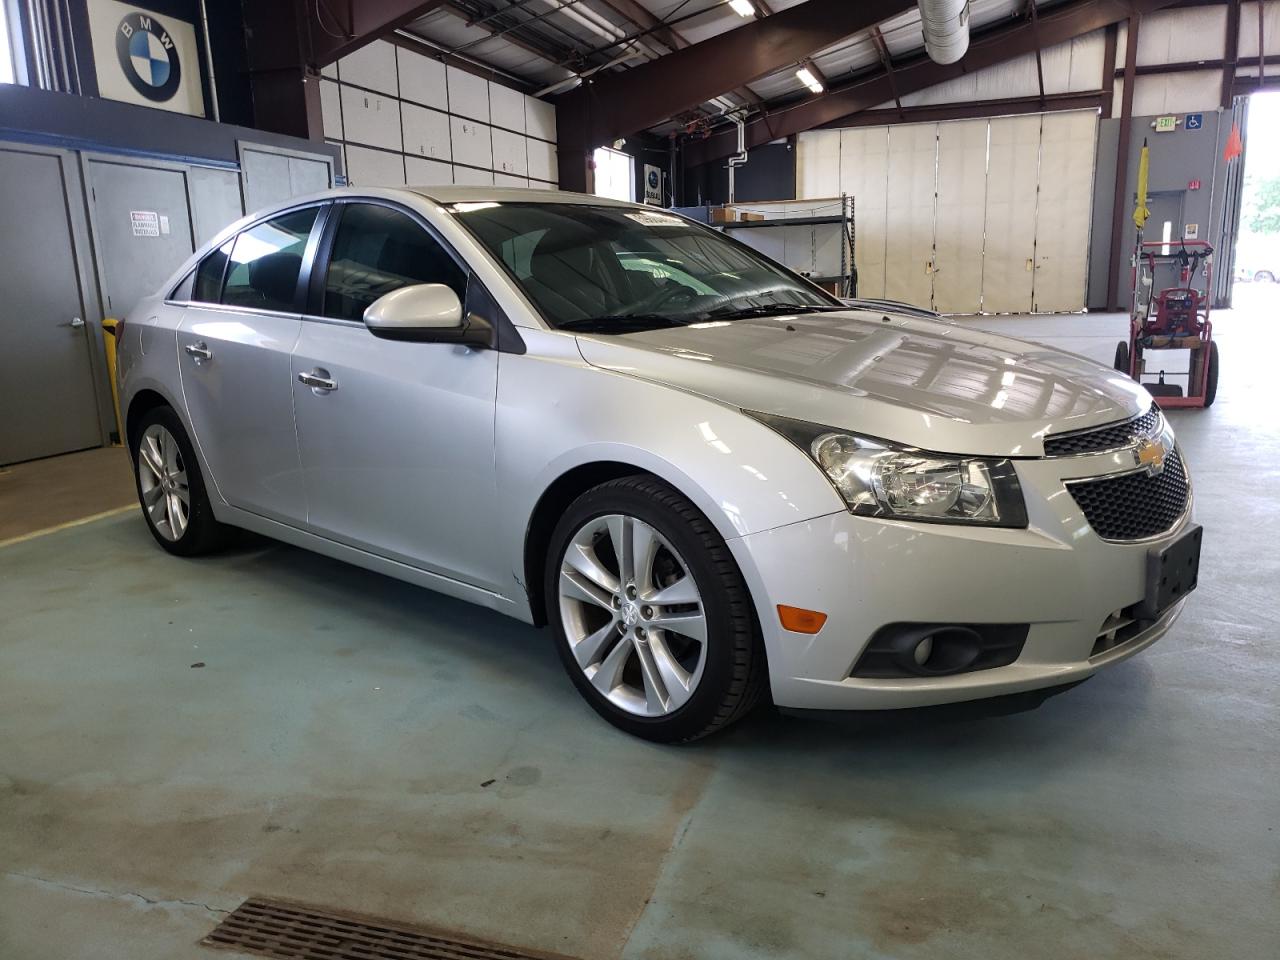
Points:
[(671, 292)]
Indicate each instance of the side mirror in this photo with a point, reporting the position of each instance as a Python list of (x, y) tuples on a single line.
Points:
[(426, 313)]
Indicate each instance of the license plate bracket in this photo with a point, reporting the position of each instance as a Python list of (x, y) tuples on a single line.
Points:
[(1172, 572)]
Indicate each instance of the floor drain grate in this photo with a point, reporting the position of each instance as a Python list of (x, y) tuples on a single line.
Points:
[(294, 931)]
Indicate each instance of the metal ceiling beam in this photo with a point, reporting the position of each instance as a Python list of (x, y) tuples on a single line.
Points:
[(617, 104), (1109, 69), (1232, 52), (974, 109), (1035, 33), (1058, 24), (665, 34), (337, 29), (288, 41), (496, 28), (1119, 213), (886, 61)]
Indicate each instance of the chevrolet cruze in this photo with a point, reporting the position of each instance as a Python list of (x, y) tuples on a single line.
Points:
[(714, 481)]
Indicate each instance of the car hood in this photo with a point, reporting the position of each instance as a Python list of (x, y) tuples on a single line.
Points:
[(925, 383)]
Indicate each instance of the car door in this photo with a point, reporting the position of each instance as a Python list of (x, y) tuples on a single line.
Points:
[(234, 344), (397, 443)]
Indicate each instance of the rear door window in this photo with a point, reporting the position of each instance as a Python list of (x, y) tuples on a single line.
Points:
[(266, 261)]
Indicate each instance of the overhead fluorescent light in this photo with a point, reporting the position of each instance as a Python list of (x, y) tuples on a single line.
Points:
[(809, 80), (743, 8)]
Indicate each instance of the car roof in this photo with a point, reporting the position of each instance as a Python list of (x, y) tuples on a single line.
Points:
[(446, 194)]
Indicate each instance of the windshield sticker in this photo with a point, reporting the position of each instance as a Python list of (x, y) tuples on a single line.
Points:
[(655, 219)]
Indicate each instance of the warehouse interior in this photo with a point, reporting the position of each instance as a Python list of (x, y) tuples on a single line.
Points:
[(186, 738)]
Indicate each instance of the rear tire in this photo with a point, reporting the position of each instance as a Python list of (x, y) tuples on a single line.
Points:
[(1211, 379), (171, 490), (614, 640), (1122, 357)]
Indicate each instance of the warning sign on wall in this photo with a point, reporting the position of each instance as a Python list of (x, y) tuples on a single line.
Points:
[(145, 223)]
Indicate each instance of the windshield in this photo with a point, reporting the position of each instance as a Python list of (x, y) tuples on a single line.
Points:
[(617, 269)]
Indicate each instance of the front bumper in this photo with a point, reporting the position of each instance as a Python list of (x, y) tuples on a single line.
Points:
[(1057, 575)]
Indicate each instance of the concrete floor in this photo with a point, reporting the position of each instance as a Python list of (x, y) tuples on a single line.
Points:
[(176, 735), (45, 493)]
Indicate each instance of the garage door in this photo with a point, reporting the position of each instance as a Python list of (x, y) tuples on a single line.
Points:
[(1009, 260), (913, 171), (959, 222), (1062, 214), (971, 215), (864, 174)]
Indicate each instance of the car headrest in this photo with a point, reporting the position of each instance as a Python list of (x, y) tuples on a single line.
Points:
[(275, 276)]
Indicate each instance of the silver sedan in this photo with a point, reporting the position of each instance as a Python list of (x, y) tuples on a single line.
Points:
[(717, 483)]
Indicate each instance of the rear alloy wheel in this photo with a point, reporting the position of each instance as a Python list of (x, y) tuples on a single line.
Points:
[(171, 490), (652, 618)]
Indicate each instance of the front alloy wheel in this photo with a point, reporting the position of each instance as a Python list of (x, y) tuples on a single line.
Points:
[(632, 615), (653, 620)]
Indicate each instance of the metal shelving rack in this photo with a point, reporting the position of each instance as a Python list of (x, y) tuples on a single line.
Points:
[(846, 279)]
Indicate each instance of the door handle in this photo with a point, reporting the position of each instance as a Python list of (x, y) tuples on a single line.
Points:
[(75, 323), (318, 380), (199, 351)]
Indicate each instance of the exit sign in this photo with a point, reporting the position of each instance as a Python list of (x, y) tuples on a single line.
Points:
[(1166, 124)]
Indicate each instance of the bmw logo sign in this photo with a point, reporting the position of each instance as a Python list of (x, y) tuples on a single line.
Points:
[(148, 57), (653, 179)]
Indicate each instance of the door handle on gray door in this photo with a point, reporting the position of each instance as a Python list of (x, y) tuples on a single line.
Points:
[(199, 351), (75, 323), (318, 379)]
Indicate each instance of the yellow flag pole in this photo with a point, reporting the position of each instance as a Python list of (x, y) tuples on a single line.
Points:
[(1140, 212)]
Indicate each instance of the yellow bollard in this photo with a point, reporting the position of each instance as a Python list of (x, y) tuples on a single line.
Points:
[(109, 327)]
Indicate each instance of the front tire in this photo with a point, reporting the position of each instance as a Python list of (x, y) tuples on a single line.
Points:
[(1122, 357), (171, 490), (1211, 377), (651, 616)]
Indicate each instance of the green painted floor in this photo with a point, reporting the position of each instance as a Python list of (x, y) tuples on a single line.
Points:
[(363, 744)]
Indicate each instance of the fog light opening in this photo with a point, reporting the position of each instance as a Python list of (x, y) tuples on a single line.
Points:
[(937, 651)]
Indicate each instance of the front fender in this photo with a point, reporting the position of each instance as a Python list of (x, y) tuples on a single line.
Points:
[(556, 412)]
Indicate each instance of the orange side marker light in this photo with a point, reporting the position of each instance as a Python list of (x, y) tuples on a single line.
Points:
[(800, 620)]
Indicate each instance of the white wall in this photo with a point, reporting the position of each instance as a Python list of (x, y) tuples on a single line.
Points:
[(402, 117)]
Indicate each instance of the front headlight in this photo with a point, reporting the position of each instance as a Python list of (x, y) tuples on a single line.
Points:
[(879, 480)]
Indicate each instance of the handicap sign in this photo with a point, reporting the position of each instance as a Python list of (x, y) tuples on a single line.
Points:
[(1195, 121)]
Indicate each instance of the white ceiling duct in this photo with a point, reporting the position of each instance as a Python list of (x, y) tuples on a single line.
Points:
[(946, 29)]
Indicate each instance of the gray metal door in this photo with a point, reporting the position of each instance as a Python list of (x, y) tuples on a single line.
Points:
[(46, 376), (142, 227), (272, 175)]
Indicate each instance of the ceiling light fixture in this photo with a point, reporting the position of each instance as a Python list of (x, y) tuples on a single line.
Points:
[(743, 8), (809, 80)]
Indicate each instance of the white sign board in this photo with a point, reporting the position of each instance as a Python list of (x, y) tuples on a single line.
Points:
[(145, 58), (145, 223), (652, 185)]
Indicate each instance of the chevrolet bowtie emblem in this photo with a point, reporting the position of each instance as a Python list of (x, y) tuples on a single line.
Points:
[(1150, 454)]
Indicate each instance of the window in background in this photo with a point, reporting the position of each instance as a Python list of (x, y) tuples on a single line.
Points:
[(7, 74), (615, 176)]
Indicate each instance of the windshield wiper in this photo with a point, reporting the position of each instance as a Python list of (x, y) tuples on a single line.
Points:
[(769, 310), (623, 323)]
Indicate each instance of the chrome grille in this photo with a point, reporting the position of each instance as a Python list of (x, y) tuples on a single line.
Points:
[(1102, 438), (1134, 506)]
